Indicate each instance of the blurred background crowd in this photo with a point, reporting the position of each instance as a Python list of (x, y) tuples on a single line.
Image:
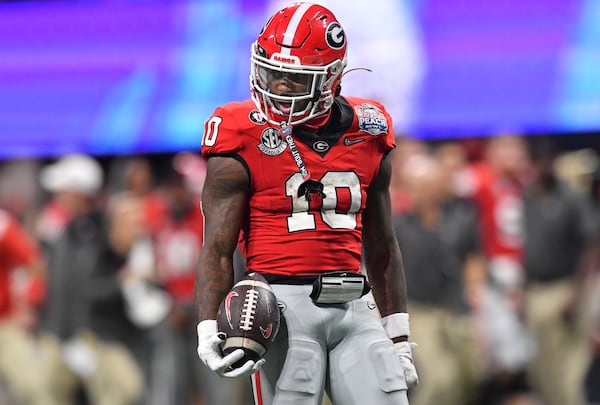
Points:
[(495, 191), (501, 245)]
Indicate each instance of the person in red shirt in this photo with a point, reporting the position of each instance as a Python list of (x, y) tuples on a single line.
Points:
[(178, 235), (17, 249), (300, 175), (177, 241), (496, 185)]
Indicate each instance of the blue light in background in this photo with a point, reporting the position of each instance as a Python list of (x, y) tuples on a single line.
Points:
[(111, 77), (578, 104)]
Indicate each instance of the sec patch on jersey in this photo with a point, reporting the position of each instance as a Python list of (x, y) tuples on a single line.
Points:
[(250, 318)]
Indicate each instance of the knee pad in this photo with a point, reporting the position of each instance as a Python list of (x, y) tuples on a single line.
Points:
[(303, 368)]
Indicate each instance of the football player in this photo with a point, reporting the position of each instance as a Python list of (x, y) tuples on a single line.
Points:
[(299, 176)]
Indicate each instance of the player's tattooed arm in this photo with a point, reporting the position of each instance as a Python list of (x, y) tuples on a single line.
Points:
[(383, 259), (224, 204)]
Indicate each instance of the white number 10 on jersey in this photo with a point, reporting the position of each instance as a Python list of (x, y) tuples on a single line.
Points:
[(302, 220)]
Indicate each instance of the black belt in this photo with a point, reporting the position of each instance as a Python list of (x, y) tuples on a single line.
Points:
[(334, 287)]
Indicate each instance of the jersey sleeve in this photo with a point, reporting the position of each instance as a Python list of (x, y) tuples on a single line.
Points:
[(387, 140), (372, 117), (221, 134)]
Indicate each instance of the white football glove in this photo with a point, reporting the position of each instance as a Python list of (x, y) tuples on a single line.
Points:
[(404, 352), (396, 325), (209, 341)]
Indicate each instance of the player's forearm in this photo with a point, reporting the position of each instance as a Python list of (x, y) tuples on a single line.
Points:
[(382, 255), (386, 275), (215, 271), (213, 281)]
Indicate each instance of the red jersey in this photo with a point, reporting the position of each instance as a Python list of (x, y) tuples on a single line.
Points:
[(155, 211), (17, 248), (501, 211), (177, 245), (285, 233)]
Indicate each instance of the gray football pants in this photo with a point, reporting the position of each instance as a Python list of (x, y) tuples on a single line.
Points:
[(342, 349)]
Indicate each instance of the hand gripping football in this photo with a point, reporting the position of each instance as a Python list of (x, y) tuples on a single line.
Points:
[(250, 317)]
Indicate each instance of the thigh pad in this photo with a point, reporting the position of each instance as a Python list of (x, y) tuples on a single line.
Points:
[(303, 369), (387, 366)]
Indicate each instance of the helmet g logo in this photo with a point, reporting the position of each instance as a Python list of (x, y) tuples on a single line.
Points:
[(335, 36)]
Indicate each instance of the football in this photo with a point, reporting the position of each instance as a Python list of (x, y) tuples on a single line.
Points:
[(250, 317)]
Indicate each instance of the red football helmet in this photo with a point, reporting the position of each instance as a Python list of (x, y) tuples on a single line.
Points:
[(297, 64)]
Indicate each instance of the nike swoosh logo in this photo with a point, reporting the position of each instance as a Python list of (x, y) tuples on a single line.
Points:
[(349, 142)]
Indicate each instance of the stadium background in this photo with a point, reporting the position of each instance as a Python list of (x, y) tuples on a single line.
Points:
[(139, 76)]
